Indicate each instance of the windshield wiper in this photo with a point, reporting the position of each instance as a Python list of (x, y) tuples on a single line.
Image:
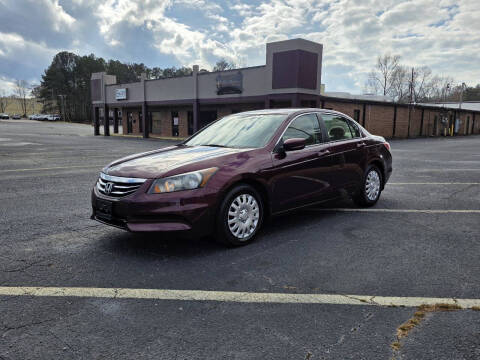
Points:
[(215, 145)]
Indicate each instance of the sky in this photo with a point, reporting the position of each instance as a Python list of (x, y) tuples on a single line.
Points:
[(443, 34)]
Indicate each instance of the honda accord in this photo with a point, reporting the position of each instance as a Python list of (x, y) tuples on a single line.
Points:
[(226, 179)]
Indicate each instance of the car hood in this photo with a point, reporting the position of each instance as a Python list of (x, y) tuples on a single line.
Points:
[(155, 163)]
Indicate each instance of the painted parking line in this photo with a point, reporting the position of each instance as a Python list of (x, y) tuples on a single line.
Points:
[(426, 211), (433, 183), (232, 296), (54, 168), (439, 170)]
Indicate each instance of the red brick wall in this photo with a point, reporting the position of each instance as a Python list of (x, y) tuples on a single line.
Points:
[(429, 123), (183, 122), (415, 121), (401, 127), (476, 129), (136, 123), (162, 121), (379, 119), (346, 108)]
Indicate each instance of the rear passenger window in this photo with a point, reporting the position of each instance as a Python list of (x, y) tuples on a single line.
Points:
[(354, 128), (304, 127), (337, 127)]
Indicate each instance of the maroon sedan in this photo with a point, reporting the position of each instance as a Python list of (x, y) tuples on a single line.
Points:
[(228, 177)]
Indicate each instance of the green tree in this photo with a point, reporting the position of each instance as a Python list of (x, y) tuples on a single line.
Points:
[(472, 93), (222, 65), (65, 85)]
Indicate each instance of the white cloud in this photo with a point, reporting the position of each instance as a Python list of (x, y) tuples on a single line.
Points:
[(16, 48), (7, 86), (60, 17), (443, 34), (171, 36)]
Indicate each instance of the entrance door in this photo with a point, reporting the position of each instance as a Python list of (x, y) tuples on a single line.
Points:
[(175, 121), (129, 122), (206, 117)]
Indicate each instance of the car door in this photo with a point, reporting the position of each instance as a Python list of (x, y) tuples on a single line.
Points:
[(348, 146), (301, 177)]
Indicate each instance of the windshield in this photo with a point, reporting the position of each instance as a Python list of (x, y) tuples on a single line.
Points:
[(239, 131)]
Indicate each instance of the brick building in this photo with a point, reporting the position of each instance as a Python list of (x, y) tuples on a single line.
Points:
[(177, 107)]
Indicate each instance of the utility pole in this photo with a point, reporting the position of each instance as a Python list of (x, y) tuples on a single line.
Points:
[(410, 104), (461, 95), (445, 112)]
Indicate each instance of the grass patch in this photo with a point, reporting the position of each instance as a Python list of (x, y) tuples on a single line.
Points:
[(395, 345), (417, 318)]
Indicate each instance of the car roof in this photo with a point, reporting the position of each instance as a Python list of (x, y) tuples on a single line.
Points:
[(289, 111)]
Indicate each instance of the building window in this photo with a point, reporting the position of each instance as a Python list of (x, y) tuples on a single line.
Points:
[(356, 115), (175, 121)]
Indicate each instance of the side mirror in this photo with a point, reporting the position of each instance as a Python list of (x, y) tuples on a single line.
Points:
[(294, 144)]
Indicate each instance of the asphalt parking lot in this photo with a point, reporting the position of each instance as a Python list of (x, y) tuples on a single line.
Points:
[(422, 240)]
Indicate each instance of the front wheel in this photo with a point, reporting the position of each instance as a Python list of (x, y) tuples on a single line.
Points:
[(240, 216), (371, 187)]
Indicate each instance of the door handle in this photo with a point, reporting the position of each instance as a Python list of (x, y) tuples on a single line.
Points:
[(362, 144), (323, 152)]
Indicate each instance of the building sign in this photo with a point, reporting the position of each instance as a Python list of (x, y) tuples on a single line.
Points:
[(229, 83), (121, 94)]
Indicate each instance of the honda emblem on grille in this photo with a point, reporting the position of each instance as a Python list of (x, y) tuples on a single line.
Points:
[(108, 188)]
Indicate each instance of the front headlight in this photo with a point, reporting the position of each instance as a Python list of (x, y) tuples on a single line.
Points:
[(187, 181)]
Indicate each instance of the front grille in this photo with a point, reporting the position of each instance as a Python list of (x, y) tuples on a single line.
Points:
[(115, 186)]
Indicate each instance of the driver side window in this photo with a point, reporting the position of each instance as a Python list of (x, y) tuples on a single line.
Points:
[(304, 127)]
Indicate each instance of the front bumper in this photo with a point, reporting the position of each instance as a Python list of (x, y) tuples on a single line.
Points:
[(190, 211)]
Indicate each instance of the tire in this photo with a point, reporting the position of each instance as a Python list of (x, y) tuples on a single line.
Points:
[(371, 187), (240, 216)]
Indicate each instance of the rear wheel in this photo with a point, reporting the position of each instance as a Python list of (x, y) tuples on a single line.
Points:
[(371, 187), (240, 216)]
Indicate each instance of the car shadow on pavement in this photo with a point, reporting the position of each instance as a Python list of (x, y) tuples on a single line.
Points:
[(275, 232)]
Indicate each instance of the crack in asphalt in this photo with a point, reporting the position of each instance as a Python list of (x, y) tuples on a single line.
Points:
[(34, 323)]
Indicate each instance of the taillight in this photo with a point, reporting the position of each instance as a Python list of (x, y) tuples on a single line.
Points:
[(387, 145)]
